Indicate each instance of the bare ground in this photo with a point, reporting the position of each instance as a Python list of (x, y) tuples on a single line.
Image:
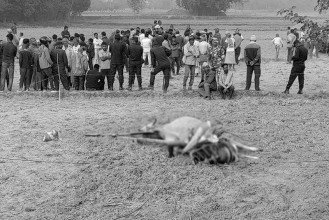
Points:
[(86, 178)]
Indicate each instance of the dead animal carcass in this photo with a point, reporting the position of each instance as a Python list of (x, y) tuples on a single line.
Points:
[(203, 141)]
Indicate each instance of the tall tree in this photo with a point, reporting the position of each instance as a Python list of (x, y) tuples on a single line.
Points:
[(206, 7), (136, 5)]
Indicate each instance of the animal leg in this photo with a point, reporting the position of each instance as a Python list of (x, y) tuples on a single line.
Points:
[(171, 151)]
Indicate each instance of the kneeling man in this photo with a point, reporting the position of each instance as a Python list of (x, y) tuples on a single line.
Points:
[(225, 81), (208, 81)]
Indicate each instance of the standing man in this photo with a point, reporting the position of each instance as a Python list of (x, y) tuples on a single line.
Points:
[(69, 53), (118, 52), (146, 43), (252, 56), (45, 65), (191, 52), (160, 62), (59, 58), (105, 65), (314, 42), (135, 53), (97, 44), (53, 42), (237, 46), (105, 39), (175, 55), (65, 33), (90, 52), (25, 64), (298, 67), (291, 38), (217, 35), (9, 51)]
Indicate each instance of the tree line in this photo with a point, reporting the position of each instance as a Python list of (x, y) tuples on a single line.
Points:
[(34, 10)]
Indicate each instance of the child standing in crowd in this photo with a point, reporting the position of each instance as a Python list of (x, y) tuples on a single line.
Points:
[(278, 43)]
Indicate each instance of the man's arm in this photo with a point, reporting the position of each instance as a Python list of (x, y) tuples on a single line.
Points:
[(296, 56), (220, 82), (48, 57), (20, 59), (258, 55), (66, 62), (211, 77), (246, 58), (153, 59), (168, 52)]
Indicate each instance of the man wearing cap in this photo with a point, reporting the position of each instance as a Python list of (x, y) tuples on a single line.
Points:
[(9, 51), (225, 81), (298, 67), (191, 52), (59, 58), (118, 52), (208, 81), (252, 56)]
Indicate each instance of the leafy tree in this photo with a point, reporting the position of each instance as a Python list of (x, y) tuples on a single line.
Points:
[(136, 5), (207, 7), (322, 5), (34, 10)]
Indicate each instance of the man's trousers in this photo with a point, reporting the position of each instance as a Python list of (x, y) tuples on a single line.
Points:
[(257, 71)]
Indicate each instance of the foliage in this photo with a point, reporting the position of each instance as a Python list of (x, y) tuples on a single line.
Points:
[(206, 7), (322, 5), (33, 10), (136, 5)]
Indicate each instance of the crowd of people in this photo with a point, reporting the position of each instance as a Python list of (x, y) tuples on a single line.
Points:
[(82, 64)]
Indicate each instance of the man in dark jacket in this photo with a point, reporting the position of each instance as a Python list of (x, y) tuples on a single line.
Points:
[(208, 81), (252, 56), (298, 67), (135, 53), (59, 58), (94, 79), (9, 51), (25, 64), (160, 62), (90, 52), (118, 52)]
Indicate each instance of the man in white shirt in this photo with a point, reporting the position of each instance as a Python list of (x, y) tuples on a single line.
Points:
[(97, 44), (146, 43), (204, 48), (142, 35), (278, 43), (105, 63)]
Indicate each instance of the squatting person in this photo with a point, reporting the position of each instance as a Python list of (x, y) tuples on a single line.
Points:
[(208, 81)]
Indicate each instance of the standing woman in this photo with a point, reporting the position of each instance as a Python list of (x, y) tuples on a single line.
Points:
[(230, 51)]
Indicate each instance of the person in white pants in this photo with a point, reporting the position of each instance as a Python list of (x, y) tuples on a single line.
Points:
[(98, 45), (146, 43)]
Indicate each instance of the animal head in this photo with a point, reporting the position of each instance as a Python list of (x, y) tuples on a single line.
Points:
[(149, 127)]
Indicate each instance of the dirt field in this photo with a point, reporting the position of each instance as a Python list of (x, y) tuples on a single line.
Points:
[(89, 178)]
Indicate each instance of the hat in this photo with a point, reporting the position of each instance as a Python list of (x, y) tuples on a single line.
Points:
[(227, 32), (9, 31), (157, 26), (205, 64), (253, 38), (191, 37), (224, 64)]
